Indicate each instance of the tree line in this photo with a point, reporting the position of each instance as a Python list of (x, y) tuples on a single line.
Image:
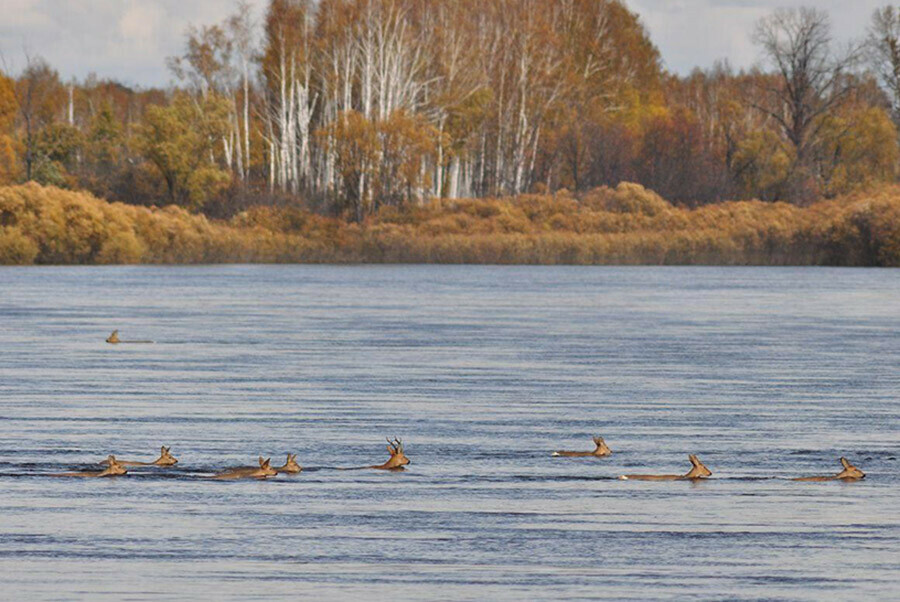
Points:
[(349, 106)]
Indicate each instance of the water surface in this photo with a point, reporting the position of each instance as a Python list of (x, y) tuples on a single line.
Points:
[(765, 373)]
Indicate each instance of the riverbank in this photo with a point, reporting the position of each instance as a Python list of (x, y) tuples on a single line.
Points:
[(626, 225)]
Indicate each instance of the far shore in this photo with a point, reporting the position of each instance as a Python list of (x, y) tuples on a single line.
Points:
[(628, 225)]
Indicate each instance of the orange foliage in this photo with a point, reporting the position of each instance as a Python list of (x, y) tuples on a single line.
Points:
[(8, 109), (625, 225)]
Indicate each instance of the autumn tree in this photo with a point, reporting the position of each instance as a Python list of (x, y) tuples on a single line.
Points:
[(675, 161), (883, 50), (240, 28), (40, 96), (614, 90), (407, 143), (178, 140), (811, 81), (353, 142), (103, 149), (761, 165), (217, 60), (288, 95), (55, 151), (859, 149), (8, 110)]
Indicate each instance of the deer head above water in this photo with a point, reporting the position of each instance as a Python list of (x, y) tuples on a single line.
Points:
[(113, 469), (397, 460), (165, 459), (850, 473), (114, 339), (697, 471), (600, 451), (290, 465), (264, 471)]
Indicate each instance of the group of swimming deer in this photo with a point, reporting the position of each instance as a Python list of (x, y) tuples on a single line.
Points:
[(698, 470), (398, 461), (115, 467)]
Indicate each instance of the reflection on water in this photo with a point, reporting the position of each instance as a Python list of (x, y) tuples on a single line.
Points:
[(766, 374)]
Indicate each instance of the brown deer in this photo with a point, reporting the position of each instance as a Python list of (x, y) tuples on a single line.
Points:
[(290, 465), (165, 459), (114, 339), (697, 471), (601, 451), (113, 469), (262, 472), (397, 461), (850, 473)]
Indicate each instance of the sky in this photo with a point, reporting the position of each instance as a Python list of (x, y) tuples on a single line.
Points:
[(692, 33), (129, 40)]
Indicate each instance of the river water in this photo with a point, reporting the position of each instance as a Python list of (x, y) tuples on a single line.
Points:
[(766, 374)]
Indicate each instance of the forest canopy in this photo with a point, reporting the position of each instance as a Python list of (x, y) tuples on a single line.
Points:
[(354, 108)]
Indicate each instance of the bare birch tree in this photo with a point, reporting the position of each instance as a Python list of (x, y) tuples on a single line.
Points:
[(883, 50), (811, 78)]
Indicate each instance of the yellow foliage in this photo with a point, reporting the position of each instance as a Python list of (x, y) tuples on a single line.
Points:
[(8, 110), (121, 247), (861, 148), (629, 198), (16, 248), (9, 170), (763, 163), (628, 225)]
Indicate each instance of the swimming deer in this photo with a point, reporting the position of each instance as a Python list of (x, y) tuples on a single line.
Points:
[(262, 472), (113, 469), (164, 459), (397, 461), (290, 465), (115, 340), (601, 451), (697, 471), (850, 473)]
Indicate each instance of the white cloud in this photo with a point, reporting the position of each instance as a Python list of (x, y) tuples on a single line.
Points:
[(140, 23), (696, 33), (128, 40)]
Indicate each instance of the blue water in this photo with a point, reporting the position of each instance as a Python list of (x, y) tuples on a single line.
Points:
[(766, 374)]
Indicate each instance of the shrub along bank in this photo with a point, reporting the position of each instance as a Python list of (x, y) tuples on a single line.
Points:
[(625, 225)]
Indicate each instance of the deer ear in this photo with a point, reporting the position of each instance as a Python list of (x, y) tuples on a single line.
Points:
[(261, 460), (694, 459), (845, 462), (266, 463)]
